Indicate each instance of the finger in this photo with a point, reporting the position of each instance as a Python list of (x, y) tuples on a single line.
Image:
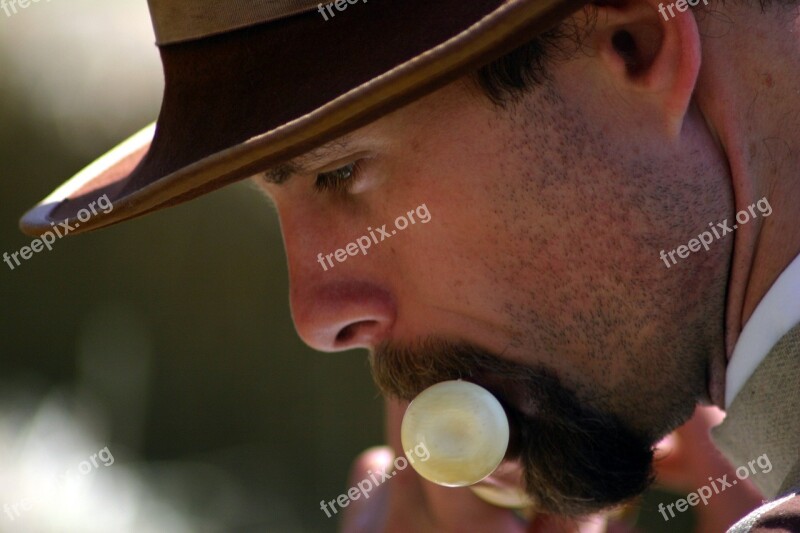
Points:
[(688, 451), (367, 512)]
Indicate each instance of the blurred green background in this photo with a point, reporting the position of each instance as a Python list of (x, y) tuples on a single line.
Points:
[(173, 330)]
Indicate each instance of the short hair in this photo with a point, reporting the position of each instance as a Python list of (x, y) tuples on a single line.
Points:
[(509, 77)]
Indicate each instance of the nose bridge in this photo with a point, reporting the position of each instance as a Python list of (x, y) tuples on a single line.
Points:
[(308, 232)]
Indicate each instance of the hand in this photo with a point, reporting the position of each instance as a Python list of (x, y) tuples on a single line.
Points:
[(687, 457)]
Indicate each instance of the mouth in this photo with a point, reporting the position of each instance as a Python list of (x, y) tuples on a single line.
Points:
[(511, 394), (516, 403), (403, 372), (576, 457)]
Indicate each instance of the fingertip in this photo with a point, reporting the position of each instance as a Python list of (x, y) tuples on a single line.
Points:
[(373, 459)]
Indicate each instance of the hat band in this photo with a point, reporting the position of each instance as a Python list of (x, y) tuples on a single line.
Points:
[(175, 21)]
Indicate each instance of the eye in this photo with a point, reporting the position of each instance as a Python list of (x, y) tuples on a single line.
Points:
[(337, 181)]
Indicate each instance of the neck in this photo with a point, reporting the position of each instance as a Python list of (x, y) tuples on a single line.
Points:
[(749, 93)]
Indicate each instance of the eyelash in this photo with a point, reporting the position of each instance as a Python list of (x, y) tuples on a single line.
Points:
[(339, 180)]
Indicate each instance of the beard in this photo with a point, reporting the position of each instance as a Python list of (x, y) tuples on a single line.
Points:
[(577, 459)]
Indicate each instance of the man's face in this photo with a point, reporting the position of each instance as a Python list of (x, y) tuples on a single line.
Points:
[(540, 254)]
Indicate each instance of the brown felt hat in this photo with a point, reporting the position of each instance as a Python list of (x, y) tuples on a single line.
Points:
[(250, 84)]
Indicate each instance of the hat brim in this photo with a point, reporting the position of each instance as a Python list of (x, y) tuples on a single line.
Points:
[(233, 106)]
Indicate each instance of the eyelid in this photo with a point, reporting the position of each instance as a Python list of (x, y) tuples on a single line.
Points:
[(357, 181), (333, 182), (341, 162)]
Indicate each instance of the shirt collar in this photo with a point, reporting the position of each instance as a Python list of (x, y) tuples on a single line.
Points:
[(775, 315)]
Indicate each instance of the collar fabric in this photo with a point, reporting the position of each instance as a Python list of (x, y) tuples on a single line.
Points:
[(775, 315)]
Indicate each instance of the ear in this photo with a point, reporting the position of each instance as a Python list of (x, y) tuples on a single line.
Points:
[(648, 51)]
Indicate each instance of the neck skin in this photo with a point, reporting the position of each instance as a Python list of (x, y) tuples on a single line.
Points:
[(749, 93)]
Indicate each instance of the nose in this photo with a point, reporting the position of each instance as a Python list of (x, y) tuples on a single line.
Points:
[(341, 306), (340, 315)]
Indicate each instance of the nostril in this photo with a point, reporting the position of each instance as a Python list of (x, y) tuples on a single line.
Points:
[(350, 332), (345, 334), (342, 315)]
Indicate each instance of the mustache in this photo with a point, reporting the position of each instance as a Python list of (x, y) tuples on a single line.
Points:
[(404, 370), (577, 458)]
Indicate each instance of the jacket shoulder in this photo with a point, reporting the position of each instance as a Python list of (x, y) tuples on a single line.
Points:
[(780, 516)]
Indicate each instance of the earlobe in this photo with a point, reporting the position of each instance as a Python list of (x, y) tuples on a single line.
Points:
[(657, 56)]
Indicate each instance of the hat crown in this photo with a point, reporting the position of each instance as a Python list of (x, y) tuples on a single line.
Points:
[(184, 20)]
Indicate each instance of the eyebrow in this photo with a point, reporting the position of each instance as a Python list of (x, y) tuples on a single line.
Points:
[(281, 173)]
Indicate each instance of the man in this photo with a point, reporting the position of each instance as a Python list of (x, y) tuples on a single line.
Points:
[(601, 227)]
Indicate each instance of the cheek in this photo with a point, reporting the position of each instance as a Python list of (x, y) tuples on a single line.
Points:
[(454, 258)]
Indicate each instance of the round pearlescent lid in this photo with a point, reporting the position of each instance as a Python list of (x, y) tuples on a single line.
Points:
[(463, 427)]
